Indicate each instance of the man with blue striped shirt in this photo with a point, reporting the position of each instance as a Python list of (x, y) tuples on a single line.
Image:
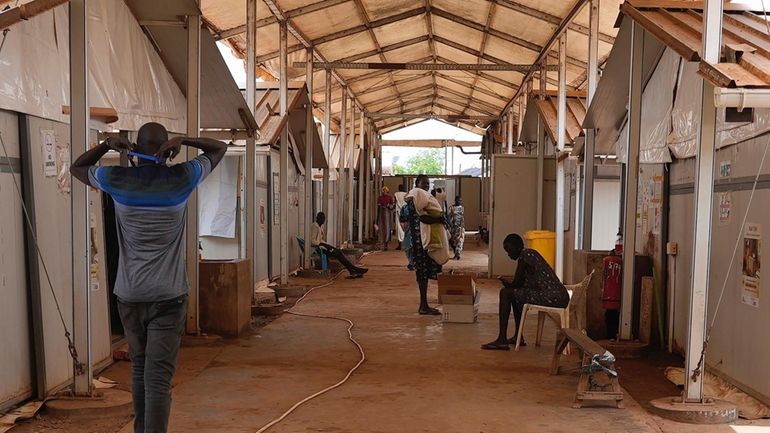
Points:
[(151, 284)]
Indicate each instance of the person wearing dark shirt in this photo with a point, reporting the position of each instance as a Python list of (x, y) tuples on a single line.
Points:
[(534, 283)]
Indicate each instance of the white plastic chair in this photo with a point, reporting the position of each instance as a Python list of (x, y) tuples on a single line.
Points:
[(577, 304)]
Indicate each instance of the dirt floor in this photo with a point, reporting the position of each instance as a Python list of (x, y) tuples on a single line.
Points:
[(419, 376)]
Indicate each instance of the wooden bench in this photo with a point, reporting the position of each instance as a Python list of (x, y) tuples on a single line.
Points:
[(587, 388)]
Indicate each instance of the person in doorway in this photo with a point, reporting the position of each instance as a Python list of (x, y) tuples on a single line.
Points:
[(151, 284), (425, 267), (385, 206), (535, 282), (457, 224), (400, 196), (318, 238)]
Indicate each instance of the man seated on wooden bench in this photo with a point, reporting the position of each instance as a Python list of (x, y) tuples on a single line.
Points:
[(318, 239), (535, 283)]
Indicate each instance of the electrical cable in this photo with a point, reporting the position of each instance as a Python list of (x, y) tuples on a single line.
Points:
[(699, 368), (350, 337)]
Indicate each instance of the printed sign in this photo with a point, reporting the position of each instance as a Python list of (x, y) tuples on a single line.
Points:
[(63, 167), (752, 246), (725, 168), (276, 199), (725, 207), (48, 140)]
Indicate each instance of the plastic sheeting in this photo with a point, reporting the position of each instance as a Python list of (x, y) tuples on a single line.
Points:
[(125, 71), (657, 104), (220, 192), (685, 118)]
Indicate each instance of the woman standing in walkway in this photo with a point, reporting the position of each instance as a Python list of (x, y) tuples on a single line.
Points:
[(426, 226), (457, 223), (385, 206)]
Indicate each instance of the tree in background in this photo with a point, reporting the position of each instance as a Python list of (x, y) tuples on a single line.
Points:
[(426, 162)]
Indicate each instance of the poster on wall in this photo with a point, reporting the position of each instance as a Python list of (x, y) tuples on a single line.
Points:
[(276, 199), (63, 167), (48, 139), (725, 207), (262, 217), (752, 247)]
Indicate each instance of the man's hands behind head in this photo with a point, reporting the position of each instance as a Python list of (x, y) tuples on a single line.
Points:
[(119, 144), (171, 148)]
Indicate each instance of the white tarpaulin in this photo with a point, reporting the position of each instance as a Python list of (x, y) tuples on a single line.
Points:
[(657, 103), (125, 71), (218, 198), (685, 118)]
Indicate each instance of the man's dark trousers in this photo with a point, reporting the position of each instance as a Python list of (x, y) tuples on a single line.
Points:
[(154, 331)]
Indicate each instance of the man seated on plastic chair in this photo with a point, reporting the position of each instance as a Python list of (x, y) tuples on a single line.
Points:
[(535, 283), (318, 239)]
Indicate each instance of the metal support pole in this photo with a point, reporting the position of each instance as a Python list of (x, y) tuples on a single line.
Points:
[(80, 209), (361, 178), (561, 131), (541, 147), (284, 160), (587, 203), (193, 130), (367, 184), (511, 138), (309, 135), (251, 149), (327, 142), (339, 197), (704, 194), (632, 179), (349, 202)]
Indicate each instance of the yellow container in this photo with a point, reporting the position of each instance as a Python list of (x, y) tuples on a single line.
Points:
[(544, 242)]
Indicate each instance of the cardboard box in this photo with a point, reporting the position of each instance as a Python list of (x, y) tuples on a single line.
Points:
[(459, 298), (456, 289), (465, 313)]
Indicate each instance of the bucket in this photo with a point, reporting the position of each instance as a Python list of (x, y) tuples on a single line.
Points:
[(544, 242)]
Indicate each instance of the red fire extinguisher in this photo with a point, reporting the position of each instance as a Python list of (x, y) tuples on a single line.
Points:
[(612, 281), (612, 285)]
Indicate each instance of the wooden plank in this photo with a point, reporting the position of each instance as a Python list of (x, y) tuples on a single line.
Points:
[(689, 4), (672, 35), (561, 344), (585, 343), (757, 65), (600, 395), (645, 309), (714, 75), (739, 76)]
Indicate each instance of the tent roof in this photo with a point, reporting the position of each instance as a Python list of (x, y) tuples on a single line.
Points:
[(679, 25), (222, 104), (270, 122), (576, 112), (431, 31)]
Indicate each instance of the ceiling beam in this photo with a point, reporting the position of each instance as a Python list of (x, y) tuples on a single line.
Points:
[(470, 86), (560, 29), (343, 64), (551, 19), (393, 83), (368, 26), (368, 23), (379, 73), (502, 35), (313, 7), (385, 49), (484, 40), (393, 97), (490, 77)]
